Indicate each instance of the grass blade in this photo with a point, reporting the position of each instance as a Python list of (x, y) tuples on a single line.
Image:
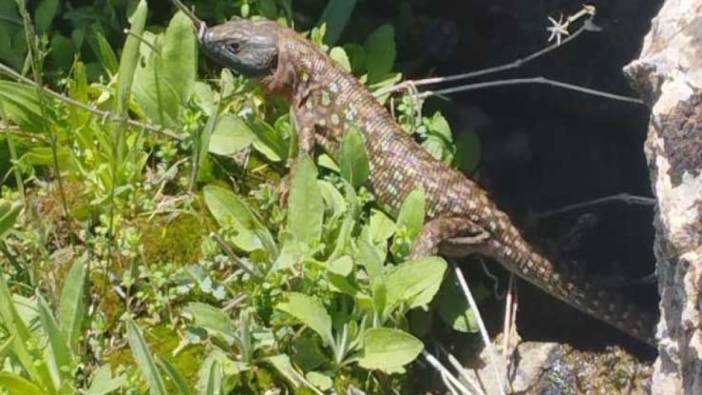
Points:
[(175, 376), (11, 320), (146, 363), (59, 351), (17, 385), (73, 304)]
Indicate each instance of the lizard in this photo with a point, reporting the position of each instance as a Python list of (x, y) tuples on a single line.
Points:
[(461, 219)]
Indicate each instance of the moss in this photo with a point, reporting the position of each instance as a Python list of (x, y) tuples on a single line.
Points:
[(175, 240), (162, 340)]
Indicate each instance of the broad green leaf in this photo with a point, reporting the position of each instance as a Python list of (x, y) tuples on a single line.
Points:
[(307, 353), (176, 377), (228, 208), (21, 105), (230, 135), (380, 53), (387, 349), (368, 257), (45, 13), (61, 356), (438, 125), (73, 304), (306, 206), (130, 57), (453, 307), (341, 266), (103, 383), (382, 227), (213, 320), (268, 141), (340, 57), (353, 159), (17, 385), (311, 312), (335, 17), (202, 147), (412, 212), (320, 380), (62, 52), (468, 148), (165, 83), (357, 57), (416, 282), (144, 359), (9, 211)]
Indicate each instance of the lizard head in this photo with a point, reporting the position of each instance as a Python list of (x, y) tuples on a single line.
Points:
[(248, 47)]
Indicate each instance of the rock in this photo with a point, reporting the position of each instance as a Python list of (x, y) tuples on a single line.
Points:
[(553, 368), (668, 73)]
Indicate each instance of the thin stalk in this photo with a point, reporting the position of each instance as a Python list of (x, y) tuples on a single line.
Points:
[(105, 115), (13, 157), (36, 64), (483, 331), (530, 80)]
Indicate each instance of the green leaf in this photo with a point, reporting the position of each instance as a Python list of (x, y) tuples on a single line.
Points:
[(307, 353), (311, 312), (412, 212), (103, 383), (165, 83), (306, 206), (416, 282), (17, 385), (6, 347), (339, 56), (380, 53), (321, 381), (353, 159), (9, 211), (281, 363), (62, 357), (453, 307), (102, 49), (213, 379), (143, 357), (268, 141), (468, 148), (231, 135), (45, 13), (228, 208), (387, 349), (21, 105), (72, 309), (381, 227), (13, 323), (341, 266), (335, 16), (176, 377), (215, 321), (130, 57)]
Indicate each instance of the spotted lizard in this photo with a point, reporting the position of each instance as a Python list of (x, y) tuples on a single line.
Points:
[(461, 218)]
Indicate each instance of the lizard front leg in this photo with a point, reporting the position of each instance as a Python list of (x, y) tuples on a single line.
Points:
[(458, 231)]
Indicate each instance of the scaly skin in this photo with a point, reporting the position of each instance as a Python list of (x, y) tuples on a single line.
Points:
[(461, 218)]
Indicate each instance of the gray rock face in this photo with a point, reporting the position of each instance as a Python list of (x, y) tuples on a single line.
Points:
[(668, 74)]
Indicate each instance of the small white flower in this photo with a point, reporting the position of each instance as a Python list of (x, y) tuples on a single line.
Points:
[(558, 29)]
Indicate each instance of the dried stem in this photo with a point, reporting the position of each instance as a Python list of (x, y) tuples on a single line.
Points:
[(620, 197)]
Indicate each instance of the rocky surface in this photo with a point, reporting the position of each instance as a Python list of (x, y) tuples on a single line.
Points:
[(668, 74)]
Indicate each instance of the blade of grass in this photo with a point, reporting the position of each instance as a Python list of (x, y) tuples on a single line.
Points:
[(146, 363), (12, 321), (175, 376), (17, 385), (62, 357), (73, 304), (127, 67)]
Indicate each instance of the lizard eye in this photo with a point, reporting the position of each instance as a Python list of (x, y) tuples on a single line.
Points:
[(233, 47)]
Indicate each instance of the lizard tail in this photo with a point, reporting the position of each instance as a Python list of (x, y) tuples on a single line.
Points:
[(594, 299)]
